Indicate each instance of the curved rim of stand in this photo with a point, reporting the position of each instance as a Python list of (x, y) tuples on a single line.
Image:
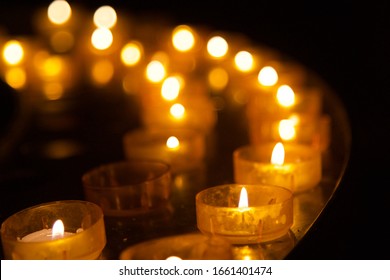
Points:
[(340, 148)]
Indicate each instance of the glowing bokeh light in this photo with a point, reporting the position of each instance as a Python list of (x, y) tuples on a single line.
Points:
[(102, 38), (131, 53), (177, 110), (285, 96), (13, 52), (183, 38), (102, 71), (173, 143), (105, 17), (243, 61), (53, 90), (171, 88), (155, 71), (217, 47), (286, 130), (218, 78), (59, 12), (268, 76), (62, 41), (16, 77)]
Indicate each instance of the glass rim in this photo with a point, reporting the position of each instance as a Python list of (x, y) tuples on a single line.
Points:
[(166, 171)]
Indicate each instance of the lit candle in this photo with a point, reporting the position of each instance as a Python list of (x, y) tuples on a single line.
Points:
[(297, 128), (56, 232), (293, 166), (77, 232), (245, 214)]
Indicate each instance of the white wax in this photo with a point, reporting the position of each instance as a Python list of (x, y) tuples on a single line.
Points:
[(43, 235)]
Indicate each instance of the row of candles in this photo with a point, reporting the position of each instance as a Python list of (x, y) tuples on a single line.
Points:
[(178, 76)]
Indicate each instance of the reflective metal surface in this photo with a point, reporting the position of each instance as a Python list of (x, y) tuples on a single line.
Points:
[(52, 143)]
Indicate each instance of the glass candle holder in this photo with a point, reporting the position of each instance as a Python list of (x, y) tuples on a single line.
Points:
[(267, 216), (300, 171), (129, 188), (78, 232), (298, 129), (181, 148)]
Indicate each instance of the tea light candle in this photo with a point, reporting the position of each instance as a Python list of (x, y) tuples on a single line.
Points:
[(299, 129), (48, 234), (78, 232), (289, 165), (245, 214), (181, 148)]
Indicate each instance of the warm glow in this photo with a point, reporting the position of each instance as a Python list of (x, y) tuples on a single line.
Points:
[(155, 71), (62, 41), (53, 91), (131, 53), (52, 66), (218, 78), (173, 143), (16, 77), (58, 229), (287, 129), (183, 39), (243, 202), (243, 61), (171, 88), (278, 154), (285, 96), (102, 38), (268, 76), (172, 258), (13, 52), (105, 17), (177, 111), (102, 71), (59, 12), (217, 47)]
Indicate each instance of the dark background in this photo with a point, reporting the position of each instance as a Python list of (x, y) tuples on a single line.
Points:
[(350, 51)]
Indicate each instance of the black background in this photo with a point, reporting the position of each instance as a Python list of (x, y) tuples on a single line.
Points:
[(350, 51)]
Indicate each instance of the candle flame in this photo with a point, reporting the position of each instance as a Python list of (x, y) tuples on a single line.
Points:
[(243, 61), (268, 76), (217, 47), (171, 87), (177, 111), (243, 203), (155, 71), (59, 12), (58, 229), (183, 38), (132, 53), (285, 96), (173, 143), (287, 129), (278, 154), (102, 38), (13, 52), (105, 17)]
